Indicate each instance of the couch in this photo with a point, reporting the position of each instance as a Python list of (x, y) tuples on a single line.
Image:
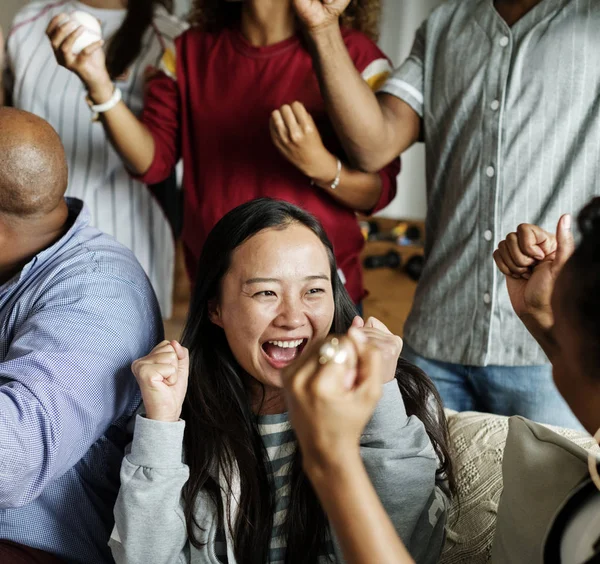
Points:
[(478, 442)]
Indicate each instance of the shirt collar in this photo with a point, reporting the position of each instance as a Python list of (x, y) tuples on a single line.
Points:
[(493, 24), (79, 217)]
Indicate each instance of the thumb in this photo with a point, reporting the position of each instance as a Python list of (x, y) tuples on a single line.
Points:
[(565, 243), (358, 322), (183, 357)]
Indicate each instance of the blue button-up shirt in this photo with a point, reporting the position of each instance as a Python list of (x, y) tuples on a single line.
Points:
[(71, 323)]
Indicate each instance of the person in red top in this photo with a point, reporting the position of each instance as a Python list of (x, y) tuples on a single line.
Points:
[(241, 105)]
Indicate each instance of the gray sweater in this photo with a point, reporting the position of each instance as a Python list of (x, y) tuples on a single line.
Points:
[(149, 519)]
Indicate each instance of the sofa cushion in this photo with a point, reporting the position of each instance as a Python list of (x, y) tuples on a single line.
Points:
[(540, 469), (477, 441)]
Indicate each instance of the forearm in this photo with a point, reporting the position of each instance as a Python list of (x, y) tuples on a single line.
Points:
[(357, 190), (152, 477), (361, 124), (356, 514), (23, 452), (540, 327), (128, 135)]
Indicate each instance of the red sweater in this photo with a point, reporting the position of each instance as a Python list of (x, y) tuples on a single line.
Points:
[(214, 113)]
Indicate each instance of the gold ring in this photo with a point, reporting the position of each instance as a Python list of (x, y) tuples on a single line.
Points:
[(332, 352)]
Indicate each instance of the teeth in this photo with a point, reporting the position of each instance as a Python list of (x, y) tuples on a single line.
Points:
[(287, 344)]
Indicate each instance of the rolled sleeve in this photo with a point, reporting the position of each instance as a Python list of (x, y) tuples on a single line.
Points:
[(389, 176), (407, 81)]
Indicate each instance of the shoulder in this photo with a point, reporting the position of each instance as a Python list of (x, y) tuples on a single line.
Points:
[(99, 283), (167, 25), (369, 59), (188, 51), (193, 38), (34, 12), (451, 10), (87, 254)]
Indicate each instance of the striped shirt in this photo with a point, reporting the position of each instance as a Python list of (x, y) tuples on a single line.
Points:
[(71, 323), (511, 124), (280, 443), (119, 205)]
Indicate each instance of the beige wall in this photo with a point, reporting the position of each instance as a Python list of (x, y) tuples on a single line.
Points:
[(8, 8), (400, 19)]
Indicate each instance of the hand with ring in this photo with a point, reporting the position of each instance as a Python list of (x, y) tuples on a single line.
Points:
[(331, 394)]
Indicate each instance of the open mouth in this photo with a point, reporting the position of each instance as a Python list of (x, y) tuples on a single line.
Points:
[(281, 353)]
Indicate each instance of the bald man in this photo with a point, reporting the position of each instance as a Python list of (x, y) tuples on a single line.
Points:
[(75, 310)]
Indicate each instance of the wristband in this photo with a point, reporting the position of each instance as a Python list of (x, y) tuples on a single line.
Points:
[(108, 105)]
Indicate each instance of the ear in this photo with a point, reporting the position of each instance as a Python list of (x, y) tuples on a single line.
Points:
[(214, 313)]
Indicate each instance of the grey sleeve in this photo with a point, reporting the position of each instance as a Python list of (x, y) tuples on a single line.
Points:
[(149, 520), (402, 464), (407, 81)]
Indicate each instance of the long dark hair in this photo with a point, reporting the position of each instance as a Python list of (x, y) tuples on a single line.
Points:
[(214, 15), (221, 429), (126, 43)]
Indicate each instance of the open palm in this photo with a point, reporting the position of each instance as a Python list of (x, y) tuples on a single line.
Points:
[(317, 14)]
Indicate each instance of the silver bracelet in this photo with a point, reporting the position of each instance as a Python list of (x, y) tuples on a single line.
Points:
[(338, 174), (336, 180)]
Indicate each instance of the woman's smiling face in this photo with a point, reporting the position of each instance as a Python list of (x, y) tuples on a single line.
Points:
[(275, 298)]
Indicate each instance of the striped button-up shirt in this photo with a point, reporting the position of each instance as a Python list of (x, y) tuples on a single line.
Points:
[(71, 323), (118, 204), (511, 123)]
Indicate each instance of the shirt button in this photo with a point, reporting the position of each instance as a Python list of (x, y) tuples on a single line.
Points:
[(495, 105), (487, 235), (490, 171), (504, 41), (487, 299)]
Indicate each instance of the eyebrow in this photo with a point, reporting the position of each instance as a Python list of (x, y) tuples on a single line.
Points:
[(265, 280)]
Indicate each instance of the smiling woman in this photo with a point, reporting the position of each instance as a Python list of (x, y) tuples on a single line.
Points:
[(267, 293)]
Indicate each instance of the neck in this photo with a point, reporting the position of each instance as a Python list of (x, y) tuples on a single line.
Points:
[(272, 403), (21, 240), (266, 22), (106, 4), (513, 10)]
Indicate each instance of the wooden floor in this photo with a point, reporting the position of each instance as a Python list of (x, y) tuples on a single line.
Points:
[(390, 297)]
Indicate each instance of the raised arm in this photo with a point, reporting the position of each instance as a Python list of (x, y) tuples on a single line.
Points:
[(531, 259), (373, 129), (153, 472), (132, 139), (330, 399)]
